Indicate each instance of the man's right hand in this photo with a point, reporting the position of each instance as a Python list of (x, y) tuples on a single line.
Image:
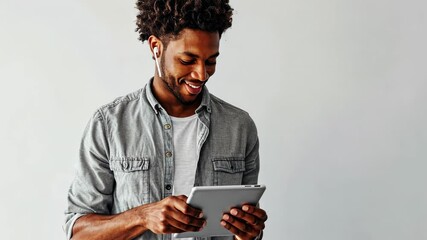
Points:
[(171, 215)]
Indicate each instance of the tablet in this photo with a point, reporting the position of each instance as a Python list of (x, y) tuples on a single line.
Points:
[(214, 201)]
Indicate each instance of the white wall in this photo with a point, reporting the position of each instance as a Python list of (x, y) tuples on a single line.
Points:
[(337, 89)]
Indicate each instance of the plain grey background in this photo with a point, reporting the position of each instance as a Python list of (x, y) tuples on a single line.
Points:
[(336, 88)]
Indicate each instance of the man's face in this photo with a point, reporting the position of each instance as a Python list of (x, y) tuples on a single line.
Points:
[(188, 62)]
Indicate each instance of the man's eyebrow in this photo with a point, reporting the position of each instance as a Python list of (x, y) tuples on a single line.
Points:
[(190, 54)]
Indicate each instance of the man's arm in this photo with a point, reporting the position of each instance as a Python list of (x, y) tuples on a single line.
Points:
[(170, 215), (93, 186), (90, 198)]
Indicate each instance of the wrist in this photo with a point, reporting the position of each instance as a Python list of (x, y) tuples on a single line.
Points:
[(135, 221)]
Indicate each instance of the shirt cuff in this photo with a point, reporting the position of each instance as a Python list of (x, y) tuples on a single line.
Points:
[(68, 226)]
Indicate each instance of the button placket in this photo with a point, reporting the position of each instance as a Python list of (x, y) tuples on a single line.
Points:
[(168, 154)]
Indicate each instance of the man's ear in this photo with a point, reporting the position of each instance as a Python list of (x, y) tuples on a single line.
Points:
[(153, 42), (155, 46)]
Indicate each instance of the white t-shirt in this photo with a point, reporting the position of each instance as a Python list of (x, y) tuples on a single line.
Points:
[(186, 155)]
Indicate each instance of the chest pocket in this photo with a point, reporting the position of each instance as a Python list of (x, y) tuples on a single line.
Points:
[(132, 176), (228, 171)]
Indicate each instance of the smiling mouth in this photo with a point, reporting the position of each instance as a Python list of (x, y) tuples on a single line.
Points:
[(193, 88), (192, 85)]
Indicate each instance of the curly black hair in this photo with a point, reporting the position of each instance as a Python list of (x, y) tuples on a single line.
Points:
[(166, 18)]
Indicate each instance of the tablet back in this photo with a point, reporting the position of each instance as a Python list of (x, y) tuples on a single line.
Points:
[(216, 200)]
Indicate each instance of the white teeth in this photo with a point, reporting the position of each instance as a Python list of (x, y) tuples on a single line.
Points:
[(193, 86)]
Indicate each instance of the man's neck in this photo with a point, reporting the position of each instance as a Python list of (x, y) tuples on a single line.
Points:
[(180, 111)]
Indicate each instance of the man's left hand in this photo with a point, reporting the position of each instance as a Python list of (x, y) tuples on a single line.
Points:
[(245, 223)]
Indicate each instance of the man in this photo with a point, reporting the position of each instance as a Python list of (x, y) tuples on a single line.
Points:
[(141, 154)]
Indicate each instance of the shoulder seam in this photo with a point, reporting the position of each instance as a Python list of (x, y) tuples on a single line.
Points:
[(126, 98), (215, 98), (101, 117)]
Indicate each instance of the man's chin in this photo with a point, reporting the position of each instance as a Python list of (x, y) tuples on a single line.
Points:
[(190, 99), (188, 102)]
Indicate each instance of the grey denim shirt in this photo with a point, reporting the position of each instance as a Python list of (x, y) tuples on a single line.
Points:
[(127, 156)]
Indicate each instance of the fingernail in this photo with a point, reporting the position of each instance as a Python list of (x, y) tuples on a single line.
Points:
[(200, 215), (223, 223), (204, 224), (234, 212), (225, 217), (245, 208)]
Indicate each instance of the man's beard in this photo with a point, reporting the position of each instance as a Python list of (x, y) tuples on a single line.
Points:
[(171, 83)]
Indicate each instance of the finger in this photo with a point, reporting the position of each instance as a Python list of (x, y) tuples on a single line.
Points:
[(165, 229), (258, 212), (170, 229), (184, 227), (241, 227), (248, 218), (231, 228), (187, 219), (186, 209)]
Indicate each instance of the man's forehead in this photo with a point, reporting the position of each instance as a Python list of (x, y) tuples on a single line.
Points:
[(194, 41)]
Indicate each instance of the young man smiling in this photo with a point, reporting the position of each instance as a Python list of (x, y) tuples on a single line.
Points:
[(141, 154)]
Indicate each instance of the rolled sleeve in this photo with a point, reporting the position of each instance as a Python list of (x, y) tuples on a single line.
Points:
[(70, 219), (92, 189)]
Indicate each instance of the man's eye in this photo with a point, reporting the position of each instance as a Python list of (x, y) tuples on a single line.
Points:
[(186, 62), (210, 63)]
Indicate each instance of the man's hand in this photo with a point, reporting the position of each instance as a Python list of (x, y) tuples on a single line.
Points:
[(171, 215), (246, 223)]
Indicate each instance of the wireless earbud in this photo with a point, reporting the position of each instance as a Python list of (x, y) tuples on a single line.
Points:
[(156, 51)]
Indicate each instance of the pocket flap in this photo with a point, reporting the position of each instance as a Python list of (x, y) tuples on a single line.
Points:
[(130, 164), (230, 165)]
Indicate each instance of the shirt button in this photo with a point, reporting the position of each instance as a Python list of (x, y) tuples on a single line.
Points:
[(125, 165), (168, 154), (168, 187), (167, 126)]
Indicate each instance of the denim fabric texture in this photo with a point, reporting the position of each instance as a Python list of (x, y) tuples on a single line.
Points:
[(127, 157)]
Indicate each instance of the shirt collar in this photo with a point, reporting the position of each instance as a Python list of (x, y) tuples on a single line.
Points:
[(205, 104), (150, 96)]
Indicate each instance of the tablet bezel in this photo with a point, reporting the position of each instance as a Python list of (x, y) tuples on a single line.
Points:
[(216, 200)]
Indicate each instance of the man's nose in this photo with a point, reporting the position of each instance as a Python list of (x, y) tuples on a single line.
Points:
[(199, 72)]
